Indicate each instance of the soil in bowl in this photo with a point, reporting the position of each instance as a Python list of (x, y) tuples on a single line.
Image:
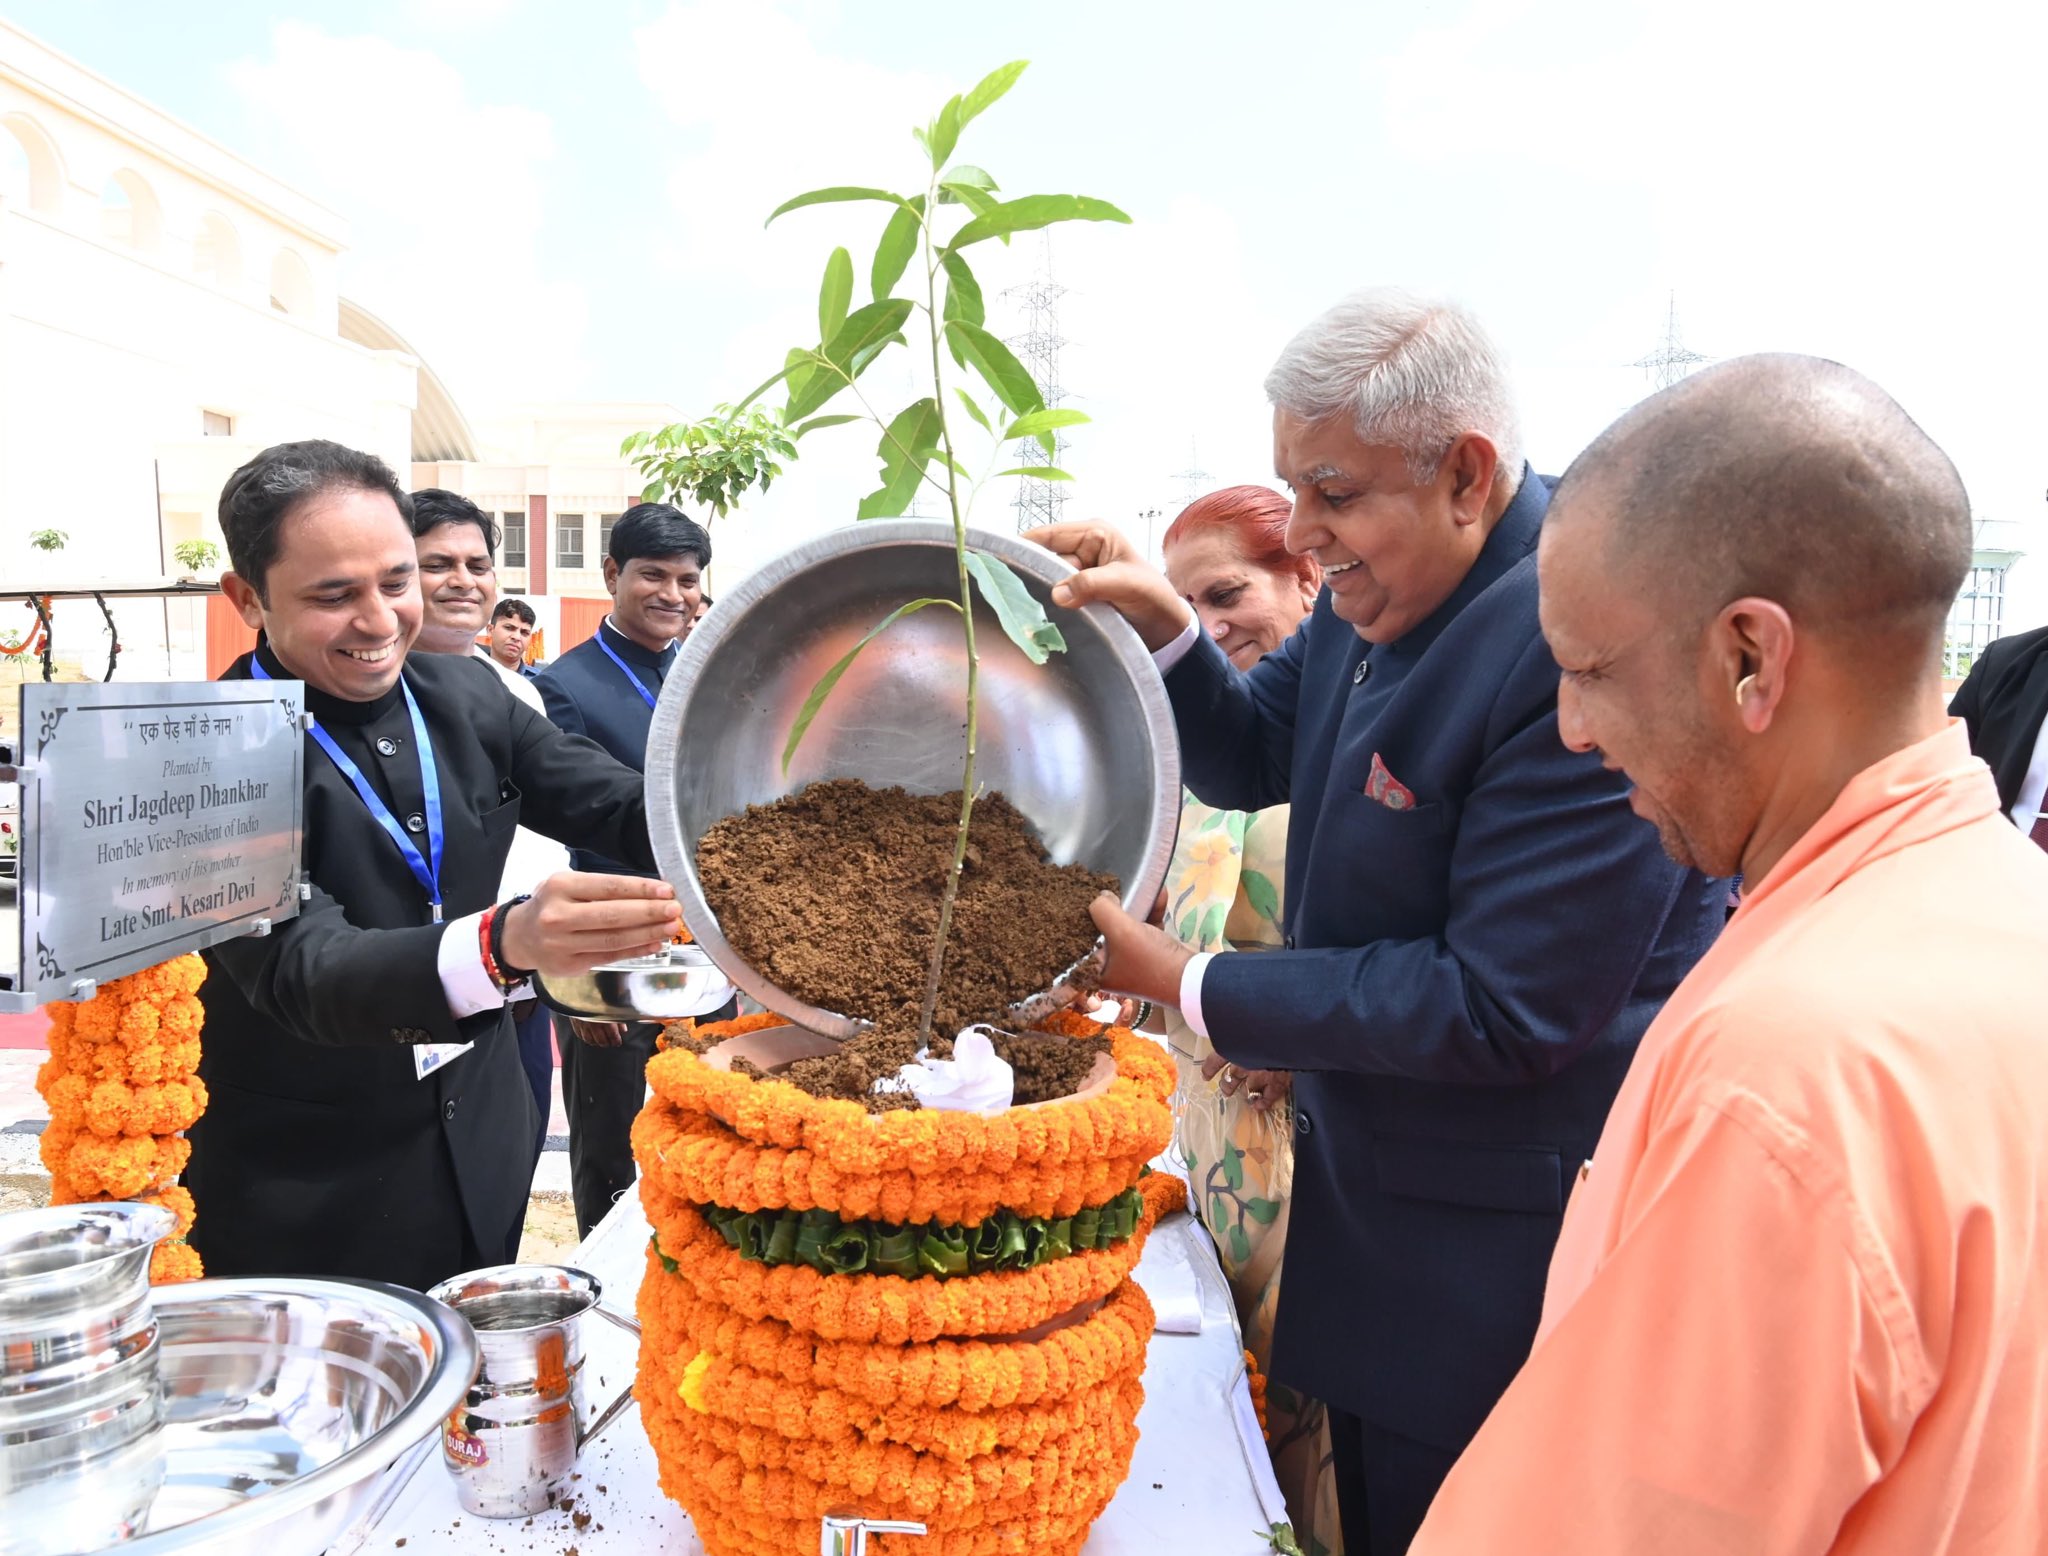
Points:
[(833, 894)]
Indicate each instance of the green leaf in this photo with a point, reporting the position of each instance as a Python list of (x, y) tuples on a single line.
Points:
[(892, 254), (835, 293), (976, 199), (995, 362), (1035, 473), (974, 410), (963, 292), (864, 333), (1260, 893), (826, 421), (990, 88), (1043, 421), (833, 196), (1212, 923), (945, 132), (907, 445), (1240, 1245), (1186, 933), (967, 173), (1262, 1210), (1023, 618), (1031, 213), (1233, 1167), (830, 678), (1215, 819), (1219, 1212)]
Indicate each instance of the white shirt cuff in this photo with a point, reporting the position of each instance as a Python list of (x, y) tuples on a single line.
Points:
[(1174, 652), (469, 988), (1191, 991)]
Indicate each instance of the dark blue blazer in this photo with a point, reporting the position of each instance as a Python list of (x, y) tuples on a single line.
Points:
[(1467, 972), (586, 694)]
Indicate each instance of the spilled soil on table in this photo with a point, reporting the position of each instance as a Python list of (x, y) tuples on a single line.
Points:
[(833, 893)]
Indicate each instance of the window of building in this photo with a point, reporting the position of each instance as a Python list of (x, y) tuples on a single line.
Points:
[(605, 521), (514, 526), (216, 424), (1976, 618), (568, 540)]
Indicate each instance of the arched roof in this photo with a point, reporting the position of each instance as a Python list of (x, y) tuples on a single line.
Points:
[(439, 429)]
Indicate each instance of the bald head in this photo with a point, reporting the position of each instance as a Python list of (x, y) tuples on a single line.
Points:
[(1787, 478)]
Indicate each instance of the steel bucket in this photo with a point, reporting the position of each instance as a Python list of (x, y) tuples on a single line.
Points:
[(81, 1399), (512, 1442), (1083, 745)]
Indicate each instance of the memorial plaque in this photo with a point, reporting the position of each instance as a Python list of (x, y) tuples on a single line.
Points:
[(157, 818)]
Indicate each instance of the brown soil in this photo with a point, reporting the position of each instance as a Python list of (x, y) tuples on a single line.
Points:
[(1046, 1066), (833, 893)]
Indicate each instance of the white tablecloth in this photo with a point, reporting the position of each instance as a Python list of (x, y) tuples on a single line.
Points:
[(1194, 1490)]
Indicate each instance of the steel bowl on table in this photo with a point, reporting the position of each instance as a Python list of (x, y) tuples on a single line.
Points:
[(293, 1407), (1083, 745)]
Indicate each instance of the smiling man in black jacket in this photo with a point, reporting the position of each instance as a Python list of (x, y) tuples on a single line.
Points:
[(367, 1115)]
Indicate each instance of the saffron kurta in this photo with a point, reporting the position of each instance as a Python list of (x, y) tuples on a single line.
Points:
[(1798, 1304)]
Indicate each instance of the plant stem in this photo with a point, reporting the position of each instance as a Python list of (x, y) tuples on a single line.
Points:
[(952, 891)]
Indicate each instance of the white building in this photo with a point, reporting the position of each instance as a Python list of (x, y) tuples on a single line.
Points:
[(167, 309)]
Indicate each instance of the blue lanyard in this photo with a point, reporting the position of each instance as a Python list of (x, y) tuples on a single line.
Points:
[(426, 868), (625, 669)]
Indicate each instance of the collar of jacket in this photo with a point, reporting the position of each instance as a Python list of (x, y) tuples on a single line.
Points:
[(632, 652), (1514, 537), (325, 706)]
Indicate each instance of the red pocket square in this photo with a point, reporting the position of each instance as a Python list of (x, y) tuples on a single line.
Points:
[(1383, 786)]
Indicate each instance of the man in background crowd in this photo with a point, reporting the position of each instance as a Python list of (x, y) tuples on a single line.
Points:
[(606, 688), (458, 551), (704, 603), (512, 625), (2003, 702)]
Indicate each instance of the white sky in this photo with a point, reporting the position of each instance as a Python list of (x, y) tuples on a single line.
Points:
[(557, 202)]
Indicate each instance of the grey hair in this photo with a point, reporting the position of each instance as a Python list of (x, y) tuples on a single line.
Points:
[(1414, 373)]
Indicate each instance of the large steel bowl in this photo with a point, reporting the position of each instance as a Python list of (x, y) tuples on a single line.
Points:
[(1083, 745), (288, 1404)]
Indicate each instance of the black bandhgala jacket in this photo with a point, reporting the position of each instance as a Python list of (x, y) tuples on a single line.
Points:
[(321, 1151)]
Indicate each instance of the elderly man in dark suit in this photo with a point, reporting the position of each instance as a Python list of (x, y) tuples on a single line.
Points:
[(2003, 702), (367, 1115), (1478, 929)]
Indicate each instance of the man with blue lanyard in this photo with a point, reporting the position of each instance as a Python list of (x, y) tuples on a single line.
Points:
[(605, 689), (367, 1114)]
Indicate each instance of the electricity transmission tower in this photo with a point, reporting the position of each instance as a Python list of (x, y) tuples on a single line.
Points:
[(1672, 360), (1192, 479), (1038, 348)]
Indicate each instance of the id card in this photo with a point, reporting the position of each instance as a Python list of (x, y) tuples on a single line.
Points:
[(429, 1057)]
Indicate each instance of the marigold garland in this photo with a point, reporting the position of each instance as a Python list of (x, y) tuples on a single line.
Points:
[(998, 1405), (695, 1157), (1130, 1119), (884, 1308), (122, 1085)]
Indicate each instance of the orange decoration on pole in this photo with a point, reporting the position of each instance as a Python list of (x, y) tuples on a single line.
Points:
[(122, 1086)]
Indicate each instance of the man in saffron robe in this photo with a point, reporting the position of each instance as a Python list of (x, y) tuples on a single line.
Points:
[(1797, 1303)]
